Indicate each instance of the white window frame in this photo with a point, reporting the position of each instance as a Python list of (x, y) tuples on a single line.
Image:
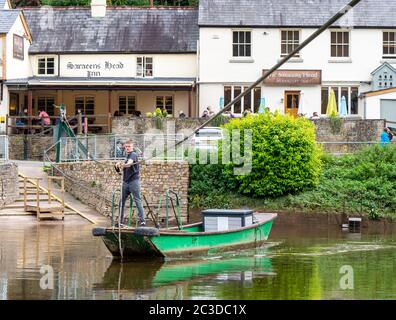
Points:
[(297, 55), (342, 44), (389, 43), (244, 44), (46, 65), (242, 101), (143, 70)]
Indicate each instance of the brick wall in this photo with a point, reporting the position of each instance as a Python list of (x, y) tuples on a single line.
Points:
[(9, 189), (134, 125)]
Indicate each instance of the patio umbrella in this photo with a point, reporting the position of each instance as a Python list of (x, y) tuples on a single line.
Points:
[(301, 104), (221, 103), (343, 107), (262, 105), (332, 104)]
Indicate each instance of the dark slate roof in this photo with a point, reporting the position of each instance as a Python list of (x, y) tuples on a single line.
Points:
[(134, 30), (7, 19), (292, 13)]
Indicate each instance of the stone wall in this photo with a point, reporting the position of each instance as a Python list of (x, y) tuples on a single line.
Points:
[(348, 135), (134, 125), (91, 182), (28, 147), (9, 188), (352, 131)]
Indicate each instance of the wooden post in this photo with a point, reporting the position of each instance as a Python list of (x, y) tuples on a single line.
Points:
[(189, 103), (86, 125), (49, 189), (24, 192), (109, 123), (63, 192), (79, 121), (30, 108), (38, 198), (110, 113)]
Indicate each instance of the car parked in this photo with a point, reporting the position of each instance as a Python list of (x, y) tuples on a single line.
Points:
[(207, 138)]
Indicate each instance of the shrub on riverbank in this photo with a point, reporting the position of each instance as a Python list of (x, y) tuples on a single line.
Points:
[(285, 156), (285, 160), (364, 182)]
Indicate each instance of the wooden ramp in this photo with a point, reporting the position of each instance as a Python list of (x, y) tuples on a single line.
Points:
[(36, 196)]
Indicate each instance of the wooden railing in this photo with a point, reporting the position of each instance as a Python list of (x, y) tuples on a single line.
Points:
[(99, 123)]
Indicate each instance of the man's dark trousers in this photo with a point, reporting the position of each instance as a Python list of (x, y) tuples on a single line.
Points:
[(133, 188)]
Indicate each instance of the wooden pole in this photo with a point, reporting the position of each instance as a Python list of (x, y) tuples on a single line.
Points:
[(49, 189), (24, 192), (110, 113), (79, 121), (30, 108)]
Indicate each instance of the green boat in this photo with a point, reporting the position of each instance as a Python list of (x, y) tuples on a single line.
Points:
[(221, 231)]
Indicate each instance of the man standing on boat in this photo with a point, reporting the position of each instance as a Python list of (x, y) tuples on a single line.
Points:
[(131, 182)]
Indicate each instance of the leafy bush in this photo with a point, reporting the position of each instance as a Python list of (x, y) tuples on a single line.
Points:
[(206, 179), (285, 156)]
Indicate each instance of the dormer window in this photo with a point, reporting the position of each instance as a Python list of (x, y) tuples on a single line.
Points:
[(144, 67), (46, 66)]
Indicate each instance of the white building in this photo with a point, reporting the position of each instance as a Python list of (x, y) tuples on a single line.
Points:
[(240, 39), (15, 39), (104, 60)]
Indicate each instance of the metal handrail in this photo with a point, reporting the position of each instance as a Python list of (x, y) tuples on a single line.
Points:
[(177, 214)]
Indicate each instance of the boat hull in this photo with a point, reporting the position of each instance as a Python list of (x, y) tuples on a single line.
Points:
[(186, 243)]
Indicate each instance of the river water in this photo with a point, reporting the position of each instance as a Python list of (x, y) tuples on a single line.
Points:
[(55, 260)]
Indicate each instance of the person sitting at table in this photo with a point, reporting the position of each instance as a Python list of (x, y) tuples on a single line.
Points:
[(44, 117)]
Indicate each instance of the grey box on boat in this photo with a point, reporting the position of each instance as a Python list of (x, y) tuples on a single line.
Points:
[(222, 220)]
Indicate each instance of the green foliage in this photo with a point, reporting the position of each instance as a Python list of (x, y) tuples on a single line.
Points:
[(209, 178), (47, 168), (360, 183), (335, 124), (285, 156), (219, 121)]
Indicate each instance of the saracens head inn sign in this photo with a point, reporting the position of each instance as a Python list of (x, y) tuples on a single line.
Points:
[(95, 69), (97, 66), (294, 78)]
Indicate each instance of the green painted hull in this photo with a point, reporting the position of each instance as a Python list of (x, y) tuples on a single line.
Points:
[(189, 242)]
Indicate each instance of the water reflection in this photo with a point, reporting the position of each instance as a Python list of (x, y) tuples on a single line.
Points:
[(147, 275), (300, 262)]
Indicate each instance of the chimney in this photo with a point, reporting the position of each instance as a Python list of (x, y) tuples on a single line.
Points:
[(98, 8)]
